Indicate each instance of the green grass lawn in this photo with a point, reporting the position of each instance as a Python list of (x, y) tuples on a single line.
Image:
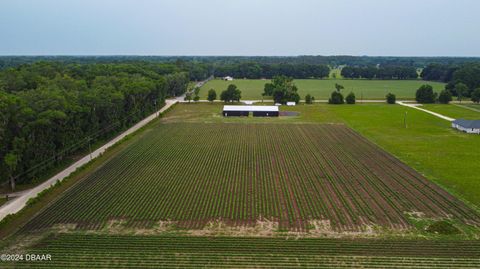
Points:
[(429, 144), (474, 107), (252, 89), (454, 111)]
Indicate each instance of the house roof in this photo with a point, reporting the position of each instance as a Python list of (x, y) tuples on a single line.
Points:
[(475, 124), (251, 108)]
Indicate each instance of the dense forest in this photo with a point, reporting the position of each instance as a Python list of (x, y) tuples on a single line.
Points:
[(51, 110), (373, 72), (214, 61), (255, 71), (463, 79)]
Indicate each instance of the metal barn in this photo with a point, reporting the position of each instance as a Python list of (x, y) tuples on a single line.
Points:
[(258, 111)]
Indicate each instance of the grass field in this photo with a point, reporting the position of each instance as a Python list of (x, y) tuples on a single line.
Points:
[(130, 251), (321, 89), (454, 111), (473, 106)]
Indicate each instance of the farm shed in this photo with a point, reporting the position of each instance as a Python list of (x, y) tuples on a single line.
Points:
[(467, 126), (258, 111)]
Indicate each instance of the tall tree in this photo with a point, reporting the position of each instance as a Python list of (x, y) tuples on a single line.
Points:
[(476, 96), (212, 95), (445, 97), (282, 89), (425, 94), (231, 94), (339, 87)]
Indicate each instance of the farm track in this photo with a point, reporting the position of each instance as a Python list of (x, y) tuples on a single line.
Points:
[(100, 251), (193, 174)]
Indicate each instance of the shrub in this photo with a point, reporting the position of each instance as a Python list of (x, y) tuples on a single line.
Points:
[(336, 98), (445, 97), (309, 99), (391, 98), (350, 99)]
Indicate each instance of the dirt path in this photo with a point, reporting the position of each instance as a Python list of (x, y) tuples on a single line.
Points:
[(17, 204), (415, 106)]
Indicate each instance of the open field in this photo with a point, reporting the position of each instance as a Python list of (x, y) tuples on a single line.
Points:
[(100, 251), (454, 111), (321, 89), (298, 176), (335, 73), (175, 193), (474, 106)]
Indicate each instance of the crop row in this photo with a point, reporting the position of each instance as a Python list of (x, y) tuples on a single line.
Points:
[(239, 173), (99, 251)]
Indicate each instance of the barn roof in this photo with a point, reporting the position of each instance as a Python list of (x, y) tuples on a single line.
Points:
[(475, 124), (251, 108)]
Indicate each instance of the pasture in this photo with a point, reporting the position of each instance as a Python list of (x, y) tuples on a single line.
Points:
[(456, 111), (321, 89)]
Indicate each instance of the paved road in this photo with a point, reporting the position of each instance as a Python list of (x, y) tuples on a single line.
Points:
[(17, 204), (416, 106), (199, 84)]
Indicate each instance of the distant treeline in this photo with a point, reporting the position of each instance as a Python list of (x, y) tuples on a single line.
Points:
[(465, 77), (256, 71), (372, 72), (50, 110), (215, 61)]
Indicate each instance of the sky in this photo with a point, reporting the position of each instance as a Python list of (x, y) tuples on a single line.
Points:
[(240, 27)]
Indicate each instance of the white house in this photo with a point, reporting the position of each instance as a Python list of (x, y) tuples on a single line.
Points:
[(290, 103), (228, 78), (467, 126)]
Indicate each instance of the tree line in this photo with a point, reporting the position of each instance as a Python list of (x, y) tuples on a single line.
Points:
[(462, 80), (50, 110), (373, 72), (252, 70), (215, 61)]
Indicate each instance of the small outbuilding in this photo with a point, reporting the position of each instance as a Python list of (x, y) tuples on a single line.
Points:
[(258, 111), (467, 126)]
